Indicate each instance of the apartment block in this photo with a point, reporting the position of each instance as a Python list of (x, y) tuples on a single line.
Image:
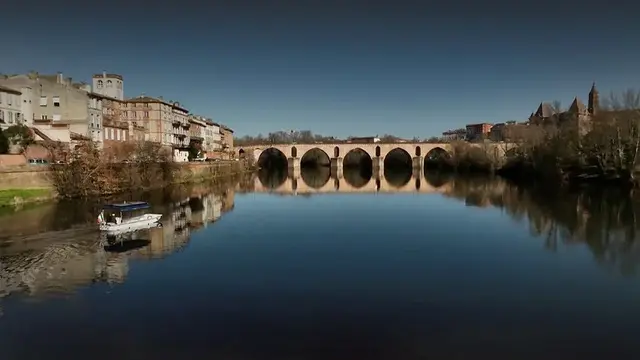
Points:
[(54, 104)]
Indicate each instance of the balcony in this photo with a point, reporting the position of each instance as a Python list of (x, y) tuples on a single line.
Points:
[(115, 124), (186, 124)]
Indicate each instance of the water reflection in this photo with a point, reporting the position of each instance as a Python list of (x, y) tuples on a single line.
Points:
[(38, 258)]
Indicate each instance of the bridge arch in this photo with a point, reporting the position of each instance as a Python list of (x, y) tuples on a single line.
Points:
[(271, 157), (437, 157), (357, 167), (315, 155)]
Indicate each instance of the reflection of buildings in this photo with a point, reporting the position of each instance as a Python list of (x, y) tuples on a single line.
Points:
[(75, 259)]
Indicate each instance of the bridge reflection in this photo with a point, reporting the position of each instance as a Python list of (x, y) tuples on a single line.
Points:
[(321, 180)]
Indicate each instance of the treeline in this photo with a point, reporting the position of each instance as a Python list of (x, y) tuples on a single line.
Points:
[(308, 137), (87, 171), (566, 147)]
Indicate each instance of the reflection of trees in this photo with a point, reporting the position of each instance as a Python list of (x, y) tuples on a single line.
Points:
[(605, 220), (315, 177), (272, 178)]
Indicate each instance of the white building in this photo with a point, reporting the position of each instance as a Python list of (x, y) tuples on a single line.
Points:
[(10, 107), (213, 140)]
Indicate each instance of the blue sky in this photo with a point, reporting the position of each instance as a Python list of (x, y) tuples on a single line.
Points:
[(335, 67)]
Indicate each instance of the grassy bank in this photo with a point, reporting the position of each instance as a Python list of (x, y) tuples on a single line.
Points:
[(15, 197)]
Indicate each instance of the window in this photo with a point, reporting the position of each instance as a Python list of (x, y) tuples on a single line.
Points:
[(43, 101), (10, 117), (109, 83), (56, 117), (1, 116), (146, 114), (17, 118), (44, 117), (56, 101), (118, 134), (92, 121), (100, 83)]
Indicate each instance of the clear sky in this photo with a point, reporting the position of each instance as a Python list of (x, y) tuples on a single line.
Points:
[(409, 68)]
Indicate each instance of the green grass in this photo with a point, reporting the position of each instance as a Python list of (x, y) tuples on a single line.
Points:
[(27, 195)]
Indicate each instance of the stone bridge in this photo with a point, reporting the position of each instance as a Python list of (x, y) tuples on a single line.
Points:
[(296, 185), (376, 151)]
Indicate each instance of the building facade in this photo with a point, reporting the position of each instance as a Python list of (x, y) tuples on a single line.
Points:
[(475, 132), (179, 138), (212, 145), (226, 139), (10, 107), (58, 106)]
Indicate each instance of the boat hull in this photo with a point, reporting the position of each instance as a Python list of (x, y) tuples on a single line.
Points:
[(137, 223)]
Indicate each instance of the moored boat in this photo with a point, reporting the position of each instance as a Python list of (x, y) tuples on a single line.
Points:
[(126, 217)]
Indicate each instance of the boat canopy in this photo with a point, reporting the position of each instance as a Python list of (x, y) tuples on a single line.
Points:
[(127, 206)]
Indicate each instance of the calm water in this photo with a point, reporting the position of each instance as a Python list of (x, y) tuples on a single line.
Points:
[(417, 267)]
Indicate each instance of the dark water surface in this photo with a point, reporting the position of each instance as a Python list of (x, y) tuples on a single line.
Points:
[(472, 268)]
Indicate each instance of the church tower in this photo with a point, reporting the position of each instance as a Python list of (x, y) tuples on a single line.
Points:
[(594, 100)]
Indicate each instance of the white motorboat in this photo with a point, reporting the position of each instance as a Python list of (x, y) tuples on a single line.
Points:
[(126, 217)]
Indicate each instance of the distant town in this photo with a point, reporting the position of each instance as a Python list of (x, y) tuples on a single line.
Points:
[(56, 108)]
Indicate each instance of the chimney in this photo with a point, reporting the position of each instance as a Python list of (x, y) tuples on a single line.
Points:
[(60, 78)]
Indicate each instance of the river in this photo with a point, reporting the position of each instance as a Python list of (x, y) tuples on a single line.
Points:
[(409, 267)]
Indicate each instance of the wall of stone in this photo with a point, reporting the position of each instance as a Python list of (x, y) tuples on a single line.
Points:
[(25, 177), (37, 176)]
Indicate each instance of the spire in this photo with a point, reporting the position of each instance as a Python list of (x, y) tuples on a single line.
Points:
[(594, 99)]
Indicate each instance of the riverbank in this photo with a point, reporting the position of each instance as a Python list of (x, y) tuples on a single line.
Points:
[(18, 197), (22, 186)]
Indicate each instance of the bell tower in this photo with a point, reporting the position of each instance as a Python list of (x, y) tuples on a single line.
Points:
[(594, 100)]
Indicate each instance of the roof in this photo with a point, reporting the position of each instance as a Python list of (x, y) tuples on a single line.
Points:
[(127, 206), (577, 106), (225, 127), (147, 99), (107, 75), (102, 96), (76, 136), (10, 90), (545, 110)]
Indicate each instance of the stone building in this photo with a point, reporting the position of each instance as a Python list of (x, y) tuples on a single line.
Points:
[(212, 140), (226, 138), (10, 107), (547, 114), (109, 85)]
